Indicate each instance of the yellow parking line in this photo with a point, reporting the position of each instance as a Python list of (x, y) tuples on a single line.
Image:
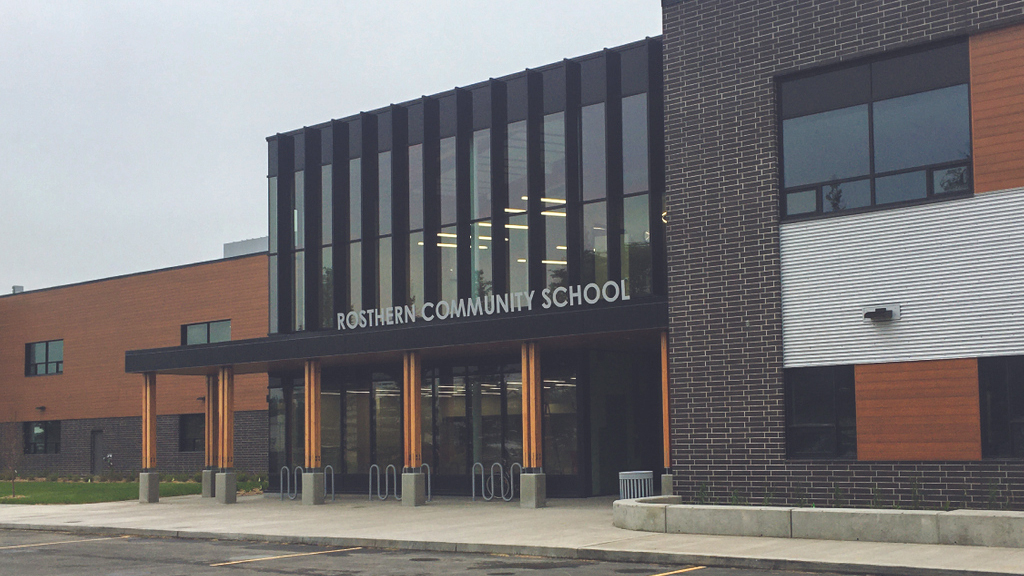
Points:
[(681, 571), (286, 556), (64, 542)]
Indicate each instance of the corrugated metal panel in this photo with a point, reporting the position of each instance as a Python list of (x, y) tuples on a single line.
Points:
[(955, 268)]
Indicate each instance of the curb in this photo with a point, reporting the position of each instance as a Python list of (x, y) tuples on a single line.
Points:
[(599, 554)]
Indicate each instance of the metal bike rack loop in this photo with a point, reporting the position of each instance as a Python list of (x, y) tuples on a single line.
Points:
[(331, 476), (487, 487), (390, 472), (284, 477), (427, 466)]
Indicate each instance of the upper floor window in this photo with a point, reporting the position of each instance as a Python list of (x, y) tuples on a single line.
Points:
[(1001, 383), (821, 419), (890, 131), (44, 358), (206, 332), (42, 437)]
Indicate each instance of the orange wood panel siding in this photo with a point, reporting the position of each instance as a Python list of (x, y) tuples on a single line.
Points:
[(918, 411), (413, 415), (210, 430), (313, 412), (997, 109), (149, 421), (99, 321), (533, 444), (226, 418)]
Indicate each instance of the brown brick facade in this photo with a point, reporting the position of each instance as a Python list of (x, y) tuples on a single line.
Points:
[(98, 321), (722, 195)]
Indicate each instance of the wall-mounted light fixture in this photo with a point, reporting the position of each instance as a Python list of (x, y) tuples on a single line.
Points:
[(41, 408), (881, 312), (201, 399)]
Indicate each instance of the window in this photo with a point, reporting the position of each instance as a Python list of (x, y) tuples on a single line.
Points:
[(43, 358), (206, 332), (1001, 383), (191, 433), (42, 437), (821, 420), (886, 132)]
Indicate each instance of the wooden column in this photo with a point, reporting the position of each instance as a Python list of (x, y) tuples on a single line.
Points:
[(210, 431), (149, 422), (665, 446), (226, 418), (412, 374), (532, 442), (312, 415)]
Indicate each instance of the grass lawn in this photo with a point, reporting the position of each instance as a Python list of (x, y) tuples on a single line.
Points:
[(85, 492)]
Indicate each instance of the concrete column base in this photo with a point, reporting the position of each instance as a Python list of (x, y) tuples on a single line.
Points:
[(226, 487), (533, 490), (209, 483), (149, 487), (414, 489), (666, 484), (312, 488)]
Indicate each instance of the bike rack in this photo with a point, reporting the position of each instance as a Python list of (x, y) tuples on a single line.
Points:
[(390, 476), (331, 476), (298, 470), (487, 488), (427, 466), (283, 477)]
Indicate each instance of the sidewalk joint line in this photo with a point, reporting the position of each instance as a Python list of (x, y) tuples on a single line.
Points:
[(287, 556)]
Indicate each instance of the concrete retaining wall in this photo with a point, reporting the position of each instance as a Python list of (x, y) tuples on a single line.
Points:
[(966, 527)]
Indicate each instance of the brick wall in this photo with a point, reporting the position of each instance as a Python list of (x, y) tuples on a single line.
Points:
[(722, 195), (122, 439)]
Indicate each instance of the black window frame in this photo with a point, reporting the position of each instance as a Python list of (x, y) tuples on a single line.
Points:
[(999, 380), (32, 367), (189, 440), (835, 431), (50, 442), (208, 325), (870, 95)]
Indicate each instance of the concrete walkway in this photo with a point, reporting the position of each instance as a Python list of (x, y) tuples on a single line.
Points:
[(569, 528)]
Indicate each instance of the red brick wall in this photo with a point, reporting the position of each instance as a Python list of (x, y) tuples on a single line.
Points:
[(99, 321)]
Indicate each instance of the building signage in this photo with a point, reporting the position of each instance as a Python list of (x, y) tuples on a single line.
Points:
[(560, 297)]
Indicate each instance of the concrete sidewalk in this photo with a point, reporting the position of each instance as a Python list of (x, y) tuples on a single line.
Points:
[(568, 528)]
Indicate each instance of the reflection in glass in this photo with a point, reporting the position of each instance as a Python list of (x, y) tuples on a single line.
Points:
[(595, 243), (634, 144), (636, 245), (559, 408), (357, 428), (951, 180), (447, 240), (272, 292), (330, 429), (355, 200), (327, 288), (299, 210), (518, 243), (448, 177), (594, 169), (554, 156), (387, 398), (219, 332), (480, 255), (901, 187), (427, 385), (299, 293), (355, 276), (827, 146), (452, 426), (926, 128), (801, 202), (484, 389), (556, 251), (194, 334), (416, 187), (480, 178), (514, 414), (276, 423), (384, 272), (384, 192), (296, 420), (517, 184), (846, 196), (272, 212), (326, 205), (414, 280)]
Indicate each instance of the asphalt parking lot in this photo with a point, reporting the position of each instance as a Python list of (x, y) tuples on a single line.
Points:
[(34, 553)]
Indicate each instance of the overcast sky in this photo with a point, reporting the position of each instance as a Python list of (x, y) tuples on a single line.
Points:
[(132, 134)]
